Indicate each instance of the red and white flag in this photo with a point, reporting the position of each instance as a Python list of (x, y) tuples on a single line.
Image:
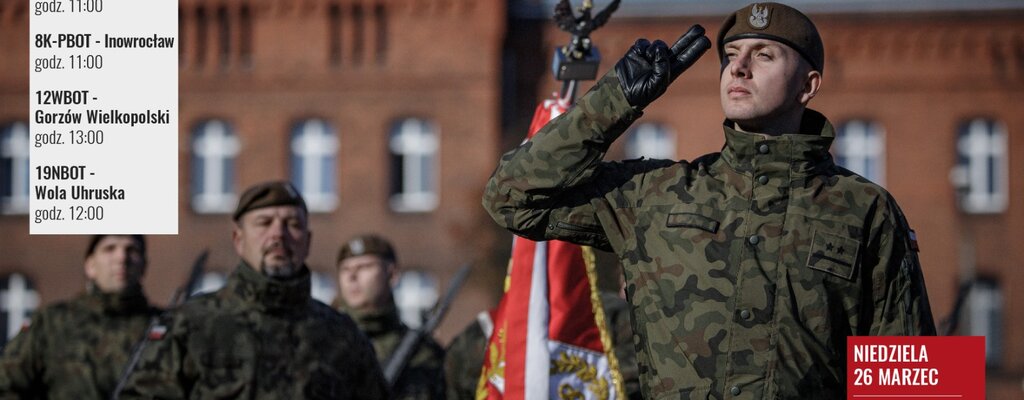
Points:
[(550, 339)]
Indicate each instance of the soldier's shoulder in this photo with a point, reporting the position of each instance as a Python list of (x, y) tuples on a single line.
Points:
[(200, 306), (847, 178), (862, 189), (322, 311), (432, 347), (329, 318), (65, 308)]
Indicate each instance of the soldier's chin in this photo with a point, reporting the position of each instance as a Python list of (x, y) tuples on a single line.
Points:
[(279, 269)]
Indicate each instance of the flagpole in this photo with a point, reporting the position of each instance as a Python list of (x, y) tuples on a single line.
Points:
[(544, 342)]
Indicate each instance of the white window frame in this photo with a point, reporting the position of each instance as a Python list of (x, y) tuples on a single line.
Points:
[(214, 142), (416, 293), (982, 158), (315, 145), (19, 296), (860, 147), (322, 286), (651, 140), (986, 307), (416, 142), (15, 146)]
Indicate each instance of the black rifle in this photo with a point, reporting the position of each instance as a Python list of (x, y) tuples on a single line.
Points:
[(411, 341), (949, 325), (177, 298)]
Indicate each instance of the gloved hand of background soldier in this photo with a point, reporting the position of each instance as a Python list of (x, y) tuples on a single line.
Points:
[(648, 68)]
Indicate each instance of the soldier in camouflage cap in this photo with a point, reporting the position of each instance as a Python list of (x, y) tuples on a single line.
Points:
[(261, 336), (367, 269), (77, 349), (746, 269)]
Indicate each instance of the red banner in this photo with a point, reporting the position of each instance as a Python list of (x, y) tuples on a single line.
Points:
[(550, 338), (915, 367)]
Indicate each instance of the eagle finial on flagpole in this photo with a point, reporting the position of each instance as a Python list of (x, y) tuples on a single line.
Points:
[(578, 60)]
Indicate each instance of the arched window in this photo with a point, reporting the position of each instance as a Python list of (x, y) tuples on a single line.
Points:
[(214, 150), (860, 147), (651, 140), (14, 169), (314, 159), (416, 293), (414, 146), (981, 173), (18, 300)]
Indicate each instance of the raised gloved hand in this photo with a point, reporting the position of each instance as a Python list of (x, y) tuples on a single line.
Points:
[(648, 68)]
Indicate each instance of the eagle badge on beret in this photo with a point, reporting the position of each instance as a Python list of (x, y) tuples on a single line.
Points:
[(759, 16)]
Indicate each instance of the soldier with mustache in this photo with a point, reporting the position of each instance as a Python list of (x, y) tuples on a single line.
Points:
[(261, 336)]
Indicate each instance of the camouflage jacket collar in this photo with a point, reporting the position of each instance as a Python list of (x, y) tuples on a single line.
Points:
[(129, 301), (803, 153), (266, 294), (379, 322)]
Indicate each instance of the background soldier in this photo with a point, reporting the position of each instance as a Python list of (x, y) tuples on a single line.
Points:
[(367, 269), (464, 358), (746, 269), (77, 349), (261, 336)]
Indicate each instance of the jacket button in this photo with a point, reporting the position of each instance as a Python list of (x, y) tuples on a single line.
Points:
[(763, 179), (753, 239), (745, 314), (735, 391), (763, 149)]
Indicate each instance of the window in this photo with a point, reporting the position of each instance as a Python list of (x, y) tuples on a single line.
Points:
[(414, 145), (322, 287), (214, 149), (985, 317), (18, 299), (651, 140), (14, 168), (211, 281), (415, 295), (314, 156), (981, 173), (860, 147)]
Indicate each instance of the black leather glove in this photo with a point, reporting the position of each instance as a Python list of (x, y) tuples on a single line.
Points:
[(648, 68)]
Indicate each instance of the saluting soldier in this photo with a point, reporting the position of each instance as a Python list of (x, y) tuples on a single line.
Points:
[(261, 336), (367, 269), (747, 268), (77, 349)]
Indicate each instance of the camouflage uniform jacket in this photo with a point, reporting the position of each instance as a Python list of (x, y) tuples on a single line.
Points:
[(423, 376), (746, 269), (258, 338), (75, 349)]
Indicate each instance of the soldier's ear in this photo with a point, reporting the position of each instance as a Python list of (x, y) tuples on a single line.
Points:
[(392, 270), (812, 82), (90, 267), (236, 238)]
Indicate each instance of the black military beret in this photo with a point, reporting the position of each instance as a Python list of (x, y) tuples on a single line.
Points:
[(95, 241), (778, 22), (266, 194), (367, 245)]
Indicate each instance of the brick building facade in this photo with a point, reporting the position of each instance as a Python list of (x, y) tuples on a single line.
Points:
[(927, 96)]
